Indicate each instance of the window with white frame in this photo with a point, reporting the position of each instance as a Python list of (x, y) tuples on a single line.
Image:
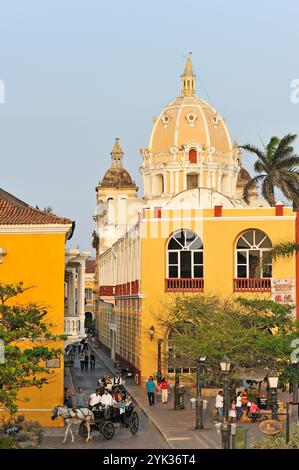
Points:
[(88, 295), (252, 249), (185, 256)]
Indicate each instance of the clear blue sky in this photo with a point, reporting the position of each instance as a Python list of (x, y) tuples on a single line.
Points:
[(79, 73)]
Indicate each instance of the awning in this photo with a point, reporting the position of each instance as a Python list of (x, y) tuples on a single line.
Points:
[(256, 375)]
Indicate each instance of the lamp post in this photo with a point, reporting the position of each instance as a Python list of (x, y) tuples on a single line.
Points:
[(295, 386), (176, 393), (272, 378), (159, 371), (225, 365), (199, 401)]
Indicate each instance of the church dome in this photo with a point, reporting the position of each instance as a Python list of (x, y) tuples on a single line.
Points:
[(189, 120), (117, 178)]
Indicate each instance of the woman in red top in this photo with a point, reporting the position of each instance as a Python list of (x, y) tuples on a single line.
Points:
[(164, 389)]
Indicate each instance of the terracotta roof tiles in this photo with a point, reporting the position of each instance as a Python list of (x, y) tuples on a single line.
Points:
[(13, 211)]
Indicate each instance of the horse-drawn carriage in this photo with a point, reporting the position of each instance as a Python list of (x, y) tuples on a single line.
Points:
[(106, 420)]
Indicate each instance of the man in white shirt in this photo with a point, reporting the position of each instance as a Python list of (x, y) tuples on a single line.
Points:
[(106, 399), (94, 399), (239, 407), (219, 404)]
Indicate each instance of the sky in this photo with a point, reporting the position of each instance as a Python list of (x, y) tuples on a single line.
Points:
[(77, 74)]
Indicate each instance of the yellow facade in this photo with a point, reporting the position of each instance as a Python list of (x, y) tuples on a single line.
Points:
[(38, 260), (32, 248), (219, 236), (193, 180)]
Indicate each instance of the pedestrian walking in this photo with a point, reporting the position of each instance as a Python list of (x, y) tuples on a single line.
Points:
[(232, 412), (92, 359), (150, 387), (219, 405), (164, 390), (239, 408), (68, 398), (81, 399), (86, 344), (86, 361), (82, 360)]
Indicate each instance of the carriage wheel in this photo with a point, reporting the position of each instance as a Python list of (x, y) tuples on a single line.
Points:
[(108, 430), (134, 422), (83, 431)]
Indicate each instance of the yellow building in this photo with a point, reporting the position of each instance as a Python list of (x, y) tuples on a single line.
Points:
[(32, 250), (190, 232)]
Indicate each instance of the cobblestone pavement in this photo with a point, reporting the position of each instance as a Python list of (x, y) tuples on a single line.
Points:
[(146, 438)]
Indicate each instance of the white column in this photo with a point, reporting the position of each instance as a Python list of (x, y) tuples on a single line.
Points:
[(68, 293), (81, 296), (177, 182), (184, 180), (72, 305)]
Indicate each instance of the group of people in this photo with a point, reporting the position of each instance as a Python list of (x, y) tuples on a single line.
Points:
[(238, 406), (110, 392), (157, 390), (86, 360)]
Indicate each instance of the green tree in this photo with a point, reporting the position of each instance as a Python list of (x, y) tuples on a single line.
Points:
[(23, 329), (252, 333), (276, 167)]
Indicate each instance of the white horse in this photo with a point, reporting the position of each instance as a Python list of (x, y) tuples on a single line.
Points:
[(73, 417)]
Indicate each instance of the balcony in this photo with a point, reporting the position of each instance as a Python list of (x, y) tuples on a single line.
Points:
[(128, 288), (184, 285), (72, 326), (107, 290), (252, 285)]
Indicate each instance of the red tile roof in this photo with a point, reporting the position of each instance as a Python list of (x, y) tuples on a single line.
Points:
[(13, 211)]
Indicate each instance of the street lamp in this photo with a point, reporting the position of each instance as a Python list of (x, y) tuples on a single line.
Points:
[(272, 378), (159, 372), (225, 366), (152, 332), (199, 401), (295, 385)]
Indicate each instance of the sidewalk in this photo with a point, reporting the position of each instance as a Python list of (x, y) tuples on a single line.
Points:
[(176, 427)]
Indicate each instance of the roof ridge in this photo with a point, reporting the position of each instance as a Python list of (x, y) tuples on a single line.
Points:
[(13, 199)]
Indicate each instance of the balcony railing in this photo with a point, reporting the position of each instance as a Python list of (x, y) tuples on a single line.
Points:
[(184, 285), (72, 326), (252, 285), (128, 288), (107, 290)]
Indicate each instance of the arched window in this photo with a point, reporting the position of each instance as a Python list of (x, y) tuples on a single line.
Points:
[(192, 156), (185, 256), (158, 185), (192, 181), (252, 249)]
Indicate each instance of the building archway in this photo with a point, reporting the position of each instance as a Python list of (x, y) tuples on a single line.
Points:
[(88, 320)]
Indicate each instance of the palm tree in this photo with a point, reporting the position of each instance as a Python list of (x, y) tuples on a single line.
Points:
[(276, 167), (285, 249)]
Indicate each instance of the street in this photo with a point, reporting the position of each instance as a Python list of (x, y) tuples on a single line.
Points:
[(146, 438)]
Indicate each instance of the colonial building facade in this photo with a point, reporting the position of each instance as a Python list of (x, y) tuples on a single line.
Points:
[(32, 250), (189, 232)]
